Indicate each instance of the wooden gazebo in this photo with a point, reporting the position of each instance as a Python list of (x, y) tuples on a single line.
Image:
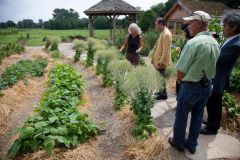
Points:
[(111, 9)]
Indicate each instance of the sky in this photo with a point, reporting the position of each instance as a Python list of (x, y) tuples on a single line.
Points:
[(17, 10)]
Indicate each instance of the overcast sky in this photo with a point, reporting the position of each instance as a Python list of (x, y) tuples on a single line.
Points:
[(17, 10)]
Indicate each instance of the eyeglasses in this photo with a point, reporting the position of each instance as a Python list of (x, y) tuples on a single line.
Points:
[(196, 15)]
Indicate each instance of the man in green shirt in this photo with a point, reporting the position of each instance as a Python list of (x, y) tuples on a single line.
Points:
[(194, 69)]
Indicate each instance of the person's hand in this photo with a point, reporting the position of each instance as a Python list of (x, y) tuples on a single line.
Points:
[(138, 51)]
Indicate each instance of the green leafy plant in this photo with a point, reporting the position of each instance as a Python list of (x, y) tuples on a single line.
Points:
[(58, 121), (90, 55), (140, 84), (104, 57), (78, 54), (56, 54), (231, 105), (235, 79), (10, 49), (118, 68), (214, 26), (21, 70), (149, 39)]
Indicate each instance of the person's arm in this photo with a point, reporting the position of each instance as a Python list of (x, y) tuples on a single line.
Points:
[(141, 45), (124, 45), (180, 76)]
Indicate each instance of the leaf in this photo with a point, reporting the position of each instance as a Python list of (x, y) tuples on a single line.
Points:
[(14, 150), (62, 131), (26, 132), (49, 145), (53, 119), (39, 125), (61, 139)]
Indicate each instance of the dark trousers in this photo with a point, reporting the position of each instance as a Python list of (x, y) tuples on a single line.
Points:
[(164, 91), (178, 85), (214, 109), (192, 98)]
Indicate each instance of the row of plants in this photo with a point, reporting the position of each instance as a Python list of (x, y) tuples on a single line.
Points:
[(10, 49), (58, 121), (21, 70), (134, 85)]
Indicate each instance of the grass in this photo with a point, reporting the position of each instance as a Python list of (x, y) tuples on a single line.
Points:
[(36, 35)]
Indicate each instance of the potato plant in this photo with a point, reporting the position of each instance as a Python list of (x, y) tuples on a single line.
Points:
[(21, 70), (10, 49), (58, 122)]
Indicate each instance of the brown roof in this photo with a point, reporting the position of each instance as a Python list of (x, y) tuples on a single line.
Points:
[(111, 6), (212, 8)]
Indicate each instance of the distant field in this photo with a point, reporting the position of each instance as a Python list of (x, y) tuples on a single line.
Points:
[(36, 35)]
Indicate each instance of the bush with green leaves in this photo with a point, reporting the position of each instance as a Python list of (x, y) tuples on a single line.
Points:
[(118, 68), (21, 70), (58, 122), (215, 26), (104, 57), (170, 71), (140, 84), (78, 54), (80, 44), (235, 77), (149, 40), (10, 49), (120, 38), (231, 105)]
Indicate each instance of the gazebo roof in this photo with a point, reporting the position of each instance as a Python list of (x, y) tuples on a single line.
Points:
[(116, 7)]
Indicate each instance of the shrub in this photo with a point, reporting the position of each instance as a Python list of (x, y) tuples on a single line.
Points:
[(56, 54), (170, 71), (10, 49), (175, 54), (78, 54), (118, 68), (120, 38), (90, 55), (231, 104), (20, 70), (149, 40), (140, 84), (58, 121), (235, 79), (52, 41)]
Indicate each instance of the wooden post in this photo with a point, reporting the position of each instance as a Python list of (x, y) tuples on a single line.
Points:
[(90, 26)]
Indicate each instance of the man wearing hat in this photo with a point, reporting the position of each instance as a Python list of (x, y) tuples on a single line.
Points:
[(194, 69)]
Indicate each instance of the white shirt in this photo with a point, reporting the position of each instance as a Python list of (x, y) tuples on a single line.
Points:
[(229, 39)]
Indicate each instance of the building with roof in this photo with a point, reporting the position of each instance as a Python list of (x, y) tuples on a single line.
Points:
[(184, 8)]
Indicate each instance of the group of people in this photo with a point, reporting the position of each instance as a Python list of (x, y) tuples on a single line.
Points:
[(203, 72)]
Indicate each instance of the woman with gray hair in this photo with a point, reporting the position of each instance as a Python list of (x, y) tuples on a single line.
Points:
[(134, 44), (229, 53)]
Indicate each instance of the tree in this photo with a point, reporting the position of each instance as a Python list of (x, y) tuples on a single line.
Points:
[(65, 14), (230, 3), (10, 24)]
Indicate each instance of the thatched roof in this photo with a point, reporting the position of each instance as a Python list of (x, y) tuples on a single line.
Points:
[(212, 8), (111, 7)]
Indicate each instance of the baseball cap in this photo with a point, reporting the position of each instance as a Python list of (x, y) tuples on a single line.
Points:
[(198, 15)]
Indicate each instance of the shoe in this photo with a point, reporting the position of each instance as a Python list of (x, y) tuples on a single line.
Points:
[(192, 151), (179, 148), (208, 132), (204, 122), (161, 97)]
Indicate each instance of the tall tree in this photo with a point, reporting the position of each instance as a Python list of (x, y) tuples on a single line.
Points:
[(230, 3), (65, 14)]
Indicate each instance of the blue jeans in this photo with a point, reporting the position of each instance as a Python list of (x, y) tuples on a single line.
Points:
[(192, 98)]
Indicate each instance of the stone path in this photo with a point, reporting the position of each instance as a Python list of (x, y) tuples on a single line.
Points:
[(163, 112)]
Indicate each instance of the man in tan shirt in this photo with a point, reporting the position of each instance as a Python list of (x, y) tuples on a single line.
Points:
[(162, 52)]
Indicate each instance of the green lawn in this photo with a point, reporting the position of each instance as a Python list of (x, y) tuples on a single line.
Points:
[(36, 35)]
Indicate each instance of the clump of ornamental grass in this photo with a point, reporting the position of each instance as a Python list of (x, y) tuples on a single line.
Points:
[(140, 84), (52, 42), (56, 54), (80, 44), (119, 68), (103, 56)]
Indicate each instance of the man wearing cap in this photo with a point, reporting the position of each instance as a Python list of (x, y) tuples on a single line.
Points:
[(194, 69)]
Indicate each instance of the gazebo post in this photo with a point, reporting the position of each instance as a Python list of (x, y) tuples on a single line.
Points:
[(90, 26)]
